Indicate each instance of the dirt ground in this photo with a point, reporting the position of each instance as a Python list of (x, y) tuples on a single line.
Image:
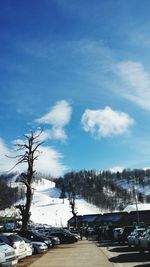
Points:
[(29, 260)]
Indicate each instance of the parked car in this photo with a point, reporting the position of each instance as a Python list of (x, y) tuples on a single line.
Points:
[(33, 235), (62, 230), (7, 256), (144, 241), (72, 233), (133, 238), (29, 247), (39, 247), (125, 233), (16, 242), (54, 239), (65, 237), (117, 233)]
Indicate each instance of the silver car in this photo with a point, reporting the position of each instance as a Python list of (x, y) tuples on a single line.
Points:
[(39, 247), (7, 256), (16, 242), (133, 238), (144, 241)]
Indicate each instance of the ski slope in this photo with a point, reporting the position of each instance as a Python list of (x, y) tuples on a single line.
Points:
[(48, 208)]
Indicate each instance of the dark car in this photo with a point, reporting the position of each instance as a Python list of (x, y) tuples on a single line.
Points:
[(54, 239), (33, 235), (125, 233), (64, 237)]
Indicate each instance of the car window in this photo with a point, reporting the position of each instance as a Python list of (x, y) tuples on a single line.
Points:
[(37, 234), (14, 238), (4, 238), (1, 244)]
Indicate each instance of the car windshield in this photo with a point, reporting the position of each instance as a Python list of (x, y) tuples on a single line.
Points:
[(66, 231), (2, 244), (38, 234), (14, 238)]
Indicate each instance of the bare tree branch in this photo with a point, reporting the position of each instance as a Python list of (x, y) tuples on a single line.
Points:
[(30, 147)]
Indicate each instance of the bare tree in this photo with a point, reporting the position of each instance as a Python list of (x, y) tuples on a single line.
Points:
[(63, 194), (30, 154), (72, 203)]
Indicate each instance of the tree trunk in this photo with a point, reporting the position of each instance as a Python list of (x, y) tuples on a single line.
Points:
[(26, 213), (30, 151)]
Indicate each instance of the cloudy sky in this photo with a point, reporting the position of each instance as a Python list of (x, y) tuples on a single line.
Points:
[(80, 70)]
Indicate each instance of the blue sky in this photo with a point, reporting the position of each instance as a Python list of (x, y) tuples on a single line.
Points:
[(81, 71)]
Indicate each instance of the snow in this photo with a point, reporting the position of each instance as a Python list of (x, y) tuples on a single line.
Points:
[(140, 206), (48, 208)]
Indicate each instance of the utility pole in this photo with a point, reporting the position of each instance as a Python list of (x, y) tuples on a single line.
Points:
[(136, 201)]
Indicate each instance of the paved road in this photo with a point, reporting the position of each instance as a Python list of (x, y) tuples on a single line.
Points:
[(81, 254), (123, 256)]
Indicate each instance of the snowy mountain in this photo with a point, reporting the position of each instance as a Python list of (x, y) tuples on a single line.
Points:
[(48, 208)]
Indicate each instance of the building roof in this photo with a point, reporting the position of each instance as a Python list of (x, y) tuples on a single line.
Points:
[(112, 217), (89, 218), (72, 219), (144, 206)]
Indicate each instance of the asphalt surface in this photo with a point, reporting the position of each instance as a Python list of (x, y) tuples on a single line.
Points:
[(80, 254)]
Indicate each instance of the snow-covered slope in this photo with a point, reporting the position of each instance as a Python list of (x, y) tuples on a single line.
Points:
[(48, 208)]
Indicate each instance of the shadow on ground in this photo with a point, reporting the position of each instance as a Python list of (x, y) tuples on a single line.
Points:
[(123, 249), (110, 244), (131, 257), (143, 265)]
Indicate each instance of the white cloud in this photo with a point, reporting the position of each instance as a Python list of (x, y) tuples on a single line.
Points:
[(116, 169), (54, 133), (58, 117), (49, 161), (6, 163), (106, 122), (137, 83)]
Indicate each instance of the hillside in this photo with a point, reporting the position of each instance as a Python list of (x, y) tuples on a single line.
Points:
[(107, 190), (94, 192), (48, 208)]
